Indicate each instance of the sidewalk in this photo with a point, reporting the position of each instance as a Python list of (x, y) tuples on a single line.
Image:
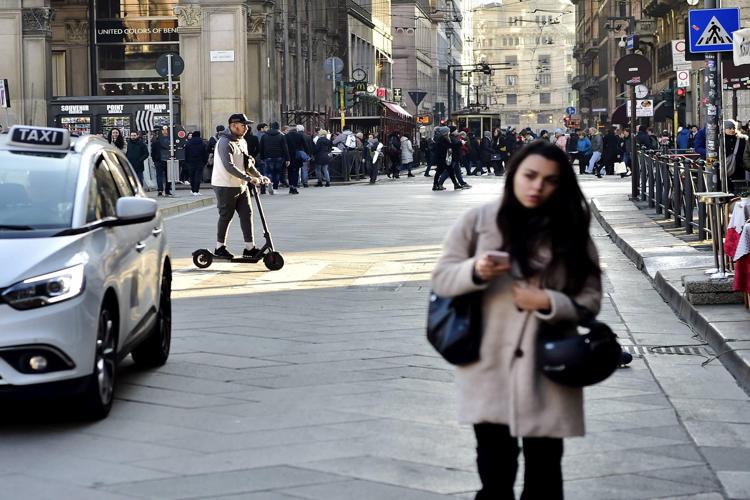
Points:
[(666, 258), (182, 201)]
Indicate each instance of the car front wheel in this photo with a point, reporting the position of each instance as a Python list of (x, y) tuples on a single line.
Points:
[(154, 350), (99, 393)]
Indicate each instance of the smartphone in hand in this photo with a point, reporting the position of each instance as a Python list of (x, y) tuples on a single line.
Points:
[(498, 257)]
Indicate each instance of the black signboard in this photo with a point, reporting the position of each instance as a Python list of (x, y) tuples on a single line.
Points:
[(633, 69), (136, 31), (735, 77)]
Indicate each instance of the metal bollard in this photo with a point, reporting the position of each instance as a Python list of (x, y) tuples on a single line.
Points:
[(676, 194), (642, 172), (659, 190), (701, 206), (651, 183), (666, 179), (688, 198)]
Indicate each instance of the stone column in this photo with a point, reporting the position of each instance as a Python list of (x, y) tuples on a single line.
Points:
[(211, 91), (37, 64), (77, 64), (11, 64), (190, 28), (258, 79)]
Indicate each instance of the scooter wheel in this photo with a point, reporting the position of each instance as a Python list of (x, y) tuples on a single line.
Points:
[(273, 261), (202, 258)]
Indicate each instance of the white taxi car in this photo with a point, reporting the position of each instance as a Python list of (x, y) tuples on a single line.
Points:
[(85, 277)]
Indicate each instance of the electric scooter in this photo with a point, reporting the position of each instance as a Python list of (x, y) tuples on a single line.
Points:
[(202, 258)]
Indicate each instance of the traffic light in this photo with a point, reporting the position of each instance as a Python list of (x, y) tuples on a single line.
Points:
[(680, 95), (667, 96), (350, 95)]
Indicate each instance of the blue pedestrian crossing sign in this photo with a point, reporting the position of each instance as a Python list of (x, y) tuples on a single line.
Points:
[(711, 29), (570, 110)]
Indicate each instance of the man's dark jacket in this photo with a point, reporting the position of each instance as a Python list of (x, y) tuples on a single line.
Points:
[(137, 153), (157, 150), (273, 145), (196, 152)]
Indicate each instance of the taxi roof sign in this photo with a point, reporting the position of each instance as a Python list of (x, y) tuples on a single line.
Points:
[(30, 137)]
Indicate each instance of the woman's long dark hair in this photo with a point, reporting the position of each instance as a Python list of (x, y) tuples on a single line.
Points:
[(562, 222), (120, 141)]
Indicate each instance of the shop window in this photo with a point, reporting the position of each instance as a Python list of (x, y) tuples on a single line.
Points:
[(59, 82)]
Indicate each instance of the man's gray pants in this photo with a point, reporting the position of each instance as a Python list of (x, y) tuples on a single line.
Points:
[(230, 200)]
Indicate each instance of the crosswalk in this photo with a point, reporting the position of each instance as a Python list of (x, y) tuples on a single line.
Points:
[(306, 270)]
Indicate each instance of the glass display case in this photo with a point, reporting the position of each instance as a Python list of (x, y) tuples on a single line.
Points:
[(79, 125), (108, 122)]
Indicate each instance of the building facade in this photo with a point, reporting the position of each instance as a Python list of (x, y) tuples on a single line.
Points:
[(90, 64), (602, 30), (534, 40)]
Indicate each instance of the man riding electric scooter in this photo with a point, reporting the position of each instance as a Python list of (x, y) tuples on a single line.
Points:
[(233, 169)]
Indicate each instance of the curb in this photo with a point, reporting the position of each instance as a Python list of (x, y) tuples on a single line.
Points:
[(731, 358), (179, 208)]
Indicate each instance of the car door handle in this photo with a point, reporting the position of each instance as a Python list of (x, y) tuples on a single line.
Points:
[(157, 231), (140, 246)]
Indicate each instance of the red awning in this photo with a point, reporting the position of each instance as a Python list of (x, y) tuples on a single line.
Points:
[(397, 109)]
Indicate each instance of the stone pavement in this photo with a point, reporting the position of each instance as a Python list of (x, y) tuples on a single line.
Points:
[(316, 382), (668, 256)]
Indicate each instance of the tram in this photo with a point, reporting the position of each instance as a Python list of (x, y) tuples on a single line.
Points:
[(476, 122)]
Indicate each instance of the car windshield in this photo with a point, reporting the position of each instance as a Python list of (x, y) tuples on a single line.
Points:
[(37, 190)]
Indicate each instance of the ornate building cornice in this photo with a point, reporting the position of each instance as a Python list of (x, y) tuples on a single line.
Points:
[(188, 16), (77, 32), (37, 21)]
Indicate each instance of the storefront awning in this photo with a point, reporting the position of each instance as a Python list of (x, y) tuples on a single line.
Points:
[(397, 109)]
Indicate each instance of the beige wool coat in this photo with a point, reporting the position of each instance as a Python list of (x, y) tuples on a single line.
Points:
[(505, 386)]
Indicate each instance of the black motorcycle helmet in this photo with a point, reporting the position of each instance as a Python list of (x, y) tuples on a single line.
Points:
[(580, 360)]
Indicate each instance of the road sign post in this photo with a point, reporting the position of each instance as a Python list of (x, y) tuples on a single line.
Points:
[(633, 70), (710, 31)]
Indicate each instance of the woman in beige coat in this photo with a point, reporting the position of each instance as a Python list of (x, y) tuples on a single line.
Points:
[(533, 256)]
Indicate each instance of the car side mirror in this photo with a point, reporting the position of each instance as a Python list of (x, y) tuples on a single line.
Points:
[(135, 210)]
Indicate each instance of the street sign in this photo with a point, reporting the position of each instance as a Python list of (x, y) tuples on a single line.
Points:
[(643, 108), (683, 79), (741, 45), (162, 65), (570, 110), (631, 41), (641, 91), (4, 94), (711, 29), (678, 56), (333, 65), (417, 96), (633, 69)]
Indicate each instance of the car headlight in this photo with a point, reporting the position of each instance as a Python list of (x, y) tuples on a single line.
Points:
[(46, 289)]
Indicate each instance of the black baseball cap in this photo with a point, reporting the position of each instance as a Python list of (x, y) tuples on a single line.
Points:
[(240, 118)]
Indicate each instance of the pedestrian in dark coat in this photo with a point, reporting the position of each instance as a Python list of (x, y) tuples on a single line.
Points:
[(137, 153), (275, 153), (323, 147), (442, 144), (196, 157), (609, 153), (473, 157), (486, 150)]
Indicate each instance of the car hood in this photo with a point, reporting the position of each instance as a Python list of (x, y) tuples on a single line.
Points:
[(24, 258)]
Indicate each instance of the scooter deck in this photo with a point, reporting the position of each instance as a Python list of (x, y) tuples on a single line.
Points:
[(241, 260)]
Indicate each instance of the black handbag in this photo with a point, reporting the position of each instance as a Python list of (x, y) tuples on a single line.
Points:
[(454, 327), (569, 358)]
